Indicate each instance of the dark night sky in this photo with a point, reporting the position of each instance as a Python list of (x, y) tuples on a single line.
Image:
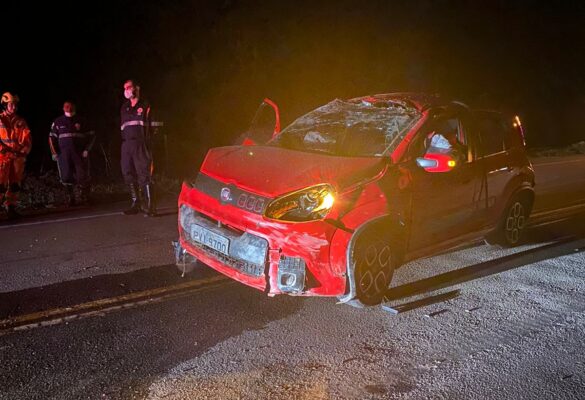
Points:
[(206, 65)]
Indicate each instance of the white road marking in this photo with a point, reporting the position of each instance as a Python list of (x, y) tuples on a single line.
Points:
[(557, 162), (82, 217)]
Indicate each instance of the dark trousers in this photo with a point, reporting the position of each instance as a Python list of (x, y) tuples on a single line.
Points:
[(73, 168), (135, 162)]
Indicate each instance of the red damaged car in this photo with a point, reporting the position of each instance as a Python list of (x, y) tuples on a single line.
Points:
[(335, 202)]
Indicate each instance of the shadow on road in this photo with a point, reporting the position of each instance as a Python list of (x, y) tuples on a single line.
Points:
[(572, 241), (118, 355), (69, 293), (165, 213), (487, 268)]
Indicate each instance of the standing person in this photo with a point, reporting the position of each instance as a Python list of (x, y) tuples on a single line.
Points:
[(70, 141), (136, 159), (15, 144)]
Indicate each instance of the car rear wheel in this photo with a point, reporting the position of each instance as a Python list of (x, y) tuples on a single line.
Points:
[(511, 227), (373, 266)]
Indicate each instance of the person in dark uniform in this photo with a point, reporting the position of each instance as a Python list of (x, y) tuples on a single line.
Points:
[(70, 141), (136, 159)]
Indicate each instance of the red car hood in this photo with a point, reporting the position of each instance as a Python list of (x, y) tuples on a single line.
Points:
[(272, 171)]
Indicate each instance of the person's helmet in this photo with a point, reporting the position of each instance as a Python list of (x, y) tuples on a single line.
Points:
[(9, 98)]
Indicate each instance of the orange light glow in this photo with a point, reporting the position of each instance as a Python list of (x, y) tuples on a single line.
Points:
[(517, 119)]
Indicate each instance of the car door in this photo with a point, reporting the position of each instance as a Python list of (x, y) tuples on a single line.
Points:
[(264, 126), (444, 200), (495, 159)]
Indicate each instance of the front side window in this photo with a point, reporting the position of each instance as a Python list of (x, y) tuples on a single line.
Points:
[(445, 136), (350, 128)]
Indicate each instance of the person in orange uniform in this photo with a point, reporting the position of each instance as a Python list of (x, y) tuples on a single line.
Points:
[(15, 144)]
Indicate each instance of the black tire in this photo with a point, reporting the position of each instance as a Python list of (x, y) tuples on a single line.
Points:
[(374, 265), (510, 230)]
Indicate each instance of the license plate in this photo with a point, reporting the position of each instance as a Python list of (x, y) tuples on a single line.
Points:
[(210, 239)]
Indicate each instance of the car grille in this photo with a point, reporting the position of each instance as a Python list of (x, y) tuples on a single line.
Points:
[(231, 194)]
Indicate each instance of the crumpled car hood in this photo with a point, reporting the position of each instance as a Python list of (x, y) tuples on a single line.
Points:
[(273, 171)]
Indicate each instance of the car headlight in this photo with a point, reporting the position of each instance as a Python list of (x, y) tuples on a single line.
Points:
[(304, 205)]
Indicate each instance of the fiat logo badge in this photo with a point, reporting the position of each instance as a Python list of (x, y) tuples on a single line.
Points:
[(226, 194)]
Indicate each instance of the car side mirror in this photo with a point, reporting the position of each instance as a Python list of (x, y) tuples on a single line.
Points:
[(432, 162), (426, 163)]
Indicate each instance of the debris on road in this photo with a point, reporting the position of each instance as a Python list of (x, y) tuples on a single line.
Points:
[(434, 314), (438, 298)]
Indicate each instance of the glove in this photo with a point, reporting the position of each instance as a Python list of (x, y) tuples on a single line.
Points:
[(85, 153), (55, 157)]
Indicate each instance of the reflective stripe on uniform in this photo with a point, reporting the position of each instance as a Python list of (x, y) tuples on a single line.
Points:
[(71, 135), (131, 123), (157, 123)]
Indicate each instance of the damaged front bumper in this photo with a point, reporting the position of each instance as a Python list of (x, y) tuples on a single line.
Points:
[(241, 251), (274, 258)]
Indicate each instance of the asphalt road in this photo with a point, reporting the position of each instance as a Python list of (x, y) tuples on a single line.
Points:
[(91, 307)]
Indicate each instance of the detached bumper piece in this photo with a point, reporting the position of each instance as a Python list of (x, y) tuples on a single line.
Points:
[(291, 275), (181, 255), (241, 251), (184, 261)]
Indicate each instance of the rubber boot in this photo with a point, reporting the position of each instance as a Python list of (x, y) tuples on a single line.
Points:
[(11, 200), (11, 212), (135, 204), (149, 208), (84, 191), (70, 196)]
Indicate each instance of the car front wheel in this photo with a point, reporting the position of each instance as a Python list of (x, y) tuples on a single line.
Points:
[(373, 266)]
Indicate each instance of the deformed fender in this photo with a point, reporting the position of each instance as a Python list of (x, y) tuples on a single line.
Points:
[(358, 221)]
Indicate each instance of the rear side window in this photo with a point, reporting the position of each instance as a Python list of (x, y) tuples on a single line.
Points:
[(492, 134)]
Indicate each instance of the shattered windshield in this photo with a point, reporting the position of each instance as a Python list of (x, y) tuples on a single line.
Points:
[(350, 128)]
